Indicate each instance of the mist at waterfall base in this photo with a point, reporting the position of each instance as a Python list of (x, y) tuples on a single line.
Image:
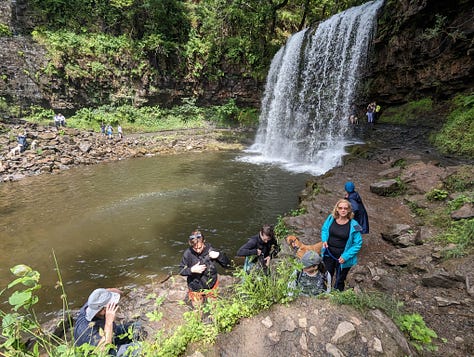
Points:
[(310, 92)]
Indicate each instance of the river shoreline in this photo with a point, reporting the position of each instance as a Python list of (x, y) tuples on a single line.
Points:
[(51, 150), (412, 274)]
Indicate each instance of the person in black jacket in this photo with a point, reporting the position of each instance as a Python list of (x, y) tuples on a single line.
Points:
[(360, 213), (259, 249), (198, 266)]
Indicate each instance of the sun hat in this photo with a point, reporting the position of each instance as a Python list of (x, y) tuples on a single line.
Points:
[(349, 187), (99, 299), (310, 258)]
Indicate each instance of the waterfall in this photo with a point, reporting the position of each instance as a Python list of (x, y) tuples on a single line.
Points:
[(310, 89)]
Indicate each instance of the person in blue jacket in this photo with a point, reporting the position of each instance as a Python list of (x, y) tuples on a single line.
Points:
[(342, 240), (360, 213)]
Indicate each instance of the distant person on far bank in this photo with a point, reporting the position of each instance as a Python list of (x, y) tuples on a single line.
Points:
[(110, 132), (371, 113), (59, 120), (353, 119), (120, 132), (360, 213)]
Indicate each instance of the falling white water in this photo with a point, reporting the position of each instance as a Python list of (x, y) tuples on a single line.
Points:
[(309, 92)]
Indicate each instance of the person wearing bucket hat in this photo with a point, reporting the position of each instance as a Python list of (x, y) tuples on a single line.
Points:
[(313, 279), (95, 322), (360, 213)]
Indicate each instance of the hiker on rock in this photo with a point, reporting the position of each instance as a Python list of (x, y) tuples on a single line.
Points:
[(342, 240)]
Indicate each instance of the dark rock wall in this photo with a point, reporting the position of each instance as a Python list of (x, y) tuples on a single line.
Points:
[(422, 48)]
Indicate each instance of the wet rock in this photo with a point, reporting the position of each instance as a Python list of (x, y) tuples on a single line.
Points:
[(407, 256), (385, 188), (422, 177), (440, 279), (391, 173)]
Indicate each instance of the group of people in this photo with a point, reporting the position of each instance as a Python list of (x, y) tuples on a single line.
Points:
[(59, 120), (372, 113), (341, 235), (108, 130)]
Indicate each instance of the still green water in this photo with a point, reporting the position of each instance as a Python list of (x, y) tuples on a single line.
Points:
[(127, 223)]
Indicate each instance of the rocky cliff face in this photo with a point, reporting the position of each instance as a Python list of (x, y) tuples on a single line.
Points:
[(423, 48)]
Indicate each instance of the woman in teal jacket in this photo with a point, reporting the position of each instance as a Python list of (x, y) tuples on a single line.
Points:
[(342, 240)]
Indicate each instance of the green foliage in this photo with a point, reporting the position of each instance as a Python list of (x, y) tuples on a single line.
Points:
[(364, 301), (461, 180), (5, 31), (298, 212), (437, 195), (39, 115), (457, 134), (461, 234), (400, 163), (416, 209), (436, 30), (407, 114), (459, 201), (8, 110), (415, 327), (280, 229)]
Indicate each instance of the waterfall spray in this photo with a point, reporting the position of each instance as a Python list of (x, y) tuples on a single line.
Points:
[(311, 86)]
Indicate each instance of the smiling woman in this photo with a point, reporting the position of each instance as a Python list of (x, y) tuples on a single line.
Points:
[(121, 224)]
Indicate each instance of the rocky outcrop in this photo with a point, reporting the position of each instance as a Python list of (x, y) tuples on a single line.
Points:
[(422, 48)]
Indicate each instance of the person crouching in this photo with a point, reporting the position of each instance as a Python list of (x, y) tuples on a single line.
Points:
[(198, 265)]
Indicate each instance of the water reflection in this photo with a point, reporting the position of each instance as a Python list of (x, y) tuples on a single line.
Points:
[(126, 223)]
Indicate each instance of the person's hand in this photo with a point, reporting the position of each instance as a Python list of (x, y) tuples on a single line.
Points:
[(110, 311), (213, 254), (325, 245), (259, 251), (198, 268), (341, 260), (267, 261)]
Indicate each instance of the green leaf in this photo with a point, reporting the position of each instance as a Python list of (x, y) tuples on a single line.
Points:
[(19, 299), (20, 270)]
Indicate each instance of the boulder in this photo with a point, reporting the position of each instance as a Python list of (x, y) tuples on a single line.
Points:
[(465, 212), (385, 187)]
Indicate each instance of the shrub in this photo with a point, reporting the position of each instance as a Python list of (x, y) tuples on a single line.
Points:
[(437, 195), (420, 335), (407, 114), (457, 134)]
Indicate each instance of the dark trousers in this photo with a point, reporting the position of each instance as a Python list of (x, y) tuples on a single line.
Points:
[(338, 275)]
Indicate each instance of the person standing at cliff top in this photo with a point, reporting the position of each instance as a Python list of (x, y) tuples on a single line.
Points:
[(360, 213)]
